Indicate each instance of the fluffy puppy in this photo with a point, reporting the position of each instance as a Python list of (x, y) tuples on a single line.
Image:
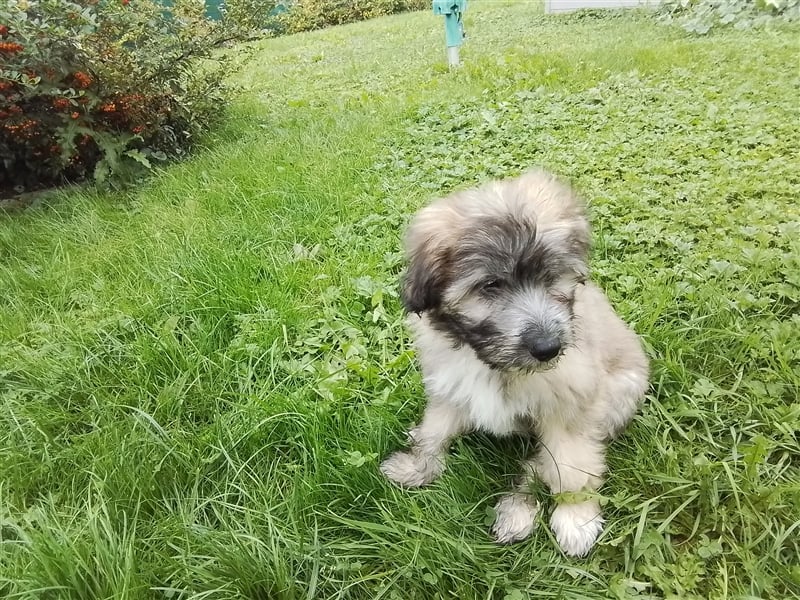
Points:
[(511, 336)]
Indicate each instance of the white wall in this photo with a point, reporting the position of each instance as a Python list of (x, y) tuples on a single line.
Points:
[(553, 6)]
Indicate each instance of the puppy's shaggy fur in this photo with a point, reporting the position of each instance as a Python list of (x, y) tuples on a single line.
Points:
[(512, 336)]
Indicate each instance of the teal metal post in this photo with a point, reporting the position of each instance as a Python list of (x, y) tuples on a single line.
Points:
[(214, 9), (452, 10)]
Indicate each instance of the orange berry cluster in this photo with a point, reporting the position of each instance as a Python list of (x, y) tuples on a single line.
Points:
[(10, 111), (24, 130), (82, 80), (128, 112), (10, 47)]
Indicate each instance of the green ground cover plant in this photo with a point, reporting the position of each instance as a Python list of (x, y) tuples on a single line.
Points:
[(700, 16), (198, 379)]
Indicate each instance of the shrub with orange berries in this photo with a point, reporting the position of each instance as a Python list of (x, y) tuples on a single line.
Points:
[(90, 90)]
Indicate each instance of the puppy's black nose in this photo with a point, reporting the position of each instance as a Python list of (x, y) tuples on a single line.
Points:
[(541, 347)]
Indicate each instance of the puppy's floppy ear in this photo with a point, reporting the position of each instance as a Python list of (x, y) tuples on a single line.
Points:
[(428, 244), (578, 243), (571, 238), (425, 280)]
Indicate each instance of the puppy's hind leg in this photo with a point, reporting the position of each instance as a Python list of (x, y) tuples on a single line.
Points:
[(424, 461)]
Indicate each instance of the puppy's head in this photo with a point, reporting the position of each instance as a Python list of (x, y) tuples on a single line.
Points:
[(497, 267)]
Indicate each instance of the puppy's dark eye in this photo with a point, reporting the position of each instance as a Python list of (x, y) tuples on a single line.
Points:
[(492, 285), (564, 298)]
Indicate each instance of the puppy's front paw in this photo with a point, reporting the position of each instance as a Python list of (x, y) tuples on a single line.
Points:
[(410, 469), (516, 518), (576, 526)]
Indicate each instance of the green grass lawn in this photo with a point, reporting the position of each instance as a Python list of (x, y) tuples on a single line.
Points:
[(198, 380)]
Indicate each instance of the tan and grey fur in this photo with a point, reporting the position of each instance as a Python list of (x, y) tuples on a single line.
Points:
[(511, 336)]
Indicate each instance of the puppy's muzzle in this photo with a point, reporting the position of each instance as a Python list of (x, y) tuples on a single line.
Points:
[(542, 346)]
